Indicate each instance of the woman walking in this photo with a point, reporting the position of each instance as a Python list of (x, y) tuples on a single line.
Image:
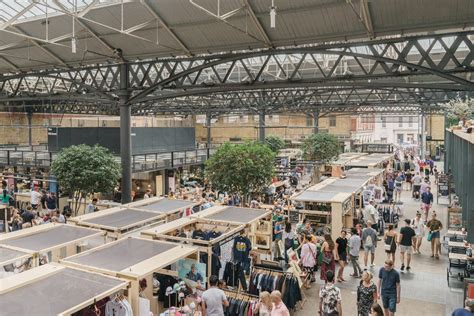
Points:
[(308, 260), (390, 239), (366, 294), (341, 255), (328, 263), (264, 306)]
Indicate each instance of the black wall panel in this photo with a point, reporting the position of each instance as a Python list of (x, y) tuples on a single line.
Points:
[(144, 139)]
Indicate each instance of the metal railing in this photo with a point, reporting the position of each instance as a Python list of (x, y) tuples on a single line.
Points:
[(140, 162)]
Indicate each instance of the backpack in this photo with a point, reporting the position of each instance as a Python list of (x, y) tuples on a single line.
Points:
[(369, 241)]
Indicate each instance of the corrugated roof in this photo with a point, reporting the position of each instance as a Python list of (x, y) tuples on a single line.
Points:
[(198, 30)]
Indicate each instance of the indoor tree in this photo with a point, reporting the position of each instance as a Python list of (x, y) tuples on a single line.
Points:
[(83, 169), (241, 168), (275, 143), (320, 148), (460, 109)]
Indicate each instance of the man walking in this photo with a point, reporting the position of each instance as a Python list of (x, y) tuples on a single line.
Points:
[(369, 240), (427, 201), (435, 226), (371, 214), (330, 303), (354, 248), (417, 180), (214, 299), (389, 288), (406, 242)]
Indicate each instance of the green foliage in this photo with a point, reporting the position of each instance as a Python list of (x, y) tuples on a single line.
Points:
[(460, 110), (242, 168), (322, 147), (275, 143), (86, 169)]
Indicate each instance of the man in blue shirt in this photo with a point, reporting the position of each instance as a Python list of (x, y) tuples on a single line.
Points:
[(427, 200), (389, 288)]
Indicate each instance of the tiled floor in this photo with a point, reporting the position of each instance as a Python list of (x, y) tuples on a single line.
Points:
[(424, 288)]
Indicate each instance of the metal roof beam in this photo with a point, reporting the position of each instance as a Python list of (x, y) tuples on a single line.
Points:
[(363, 14), (9, 63), (85, 26), (367, 18), (35, 42), (167, 28), (18, 15), (257, 23)]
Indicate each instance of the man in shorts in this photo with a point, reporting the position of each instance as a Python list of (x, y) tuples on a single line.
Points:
[(369, 240), (389, 288), (426, 200), (406, 242)]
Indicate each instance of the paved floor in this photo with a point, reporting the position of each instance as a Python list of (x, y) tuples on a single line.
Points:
[(424, 288)]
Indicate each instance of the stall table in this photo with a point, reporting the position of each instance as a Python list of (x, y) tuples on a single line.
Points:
[(131, 259), (60, 240), (54, 289)]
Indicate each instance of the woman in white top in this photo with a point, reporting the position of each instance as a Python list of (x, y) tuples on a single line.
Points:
[(419, 228), (264, 306), (308, 259)]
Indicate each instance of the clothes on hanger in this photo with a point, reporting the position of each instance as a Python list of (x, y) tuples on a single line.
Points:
[(215, 262), (241, 249), (240, 307), (234, 274), (118, 306), (286, 283)]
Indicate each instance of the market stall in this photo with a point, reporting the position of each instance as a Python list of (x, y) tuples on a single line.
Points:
[(116, 222), (54, 289), (133, 259), (332, 204), (372, 161), (336, 168), (258, 222), (132, 217), (51, 242), (205, 234)]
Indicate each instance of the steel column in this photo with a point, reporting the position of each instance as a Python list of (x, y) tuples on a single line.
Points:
[(423, 136), (208, 125), (315, 122), (261, 127), (29, 116), (125, 134)]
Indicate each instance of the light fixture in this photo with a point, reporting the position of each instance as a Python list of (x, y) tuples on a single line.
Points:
[(73, 45), (273, 14)]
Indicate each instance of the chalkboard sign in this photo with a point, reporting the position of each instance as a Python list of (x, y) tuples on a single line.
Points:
[(443, 185)]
